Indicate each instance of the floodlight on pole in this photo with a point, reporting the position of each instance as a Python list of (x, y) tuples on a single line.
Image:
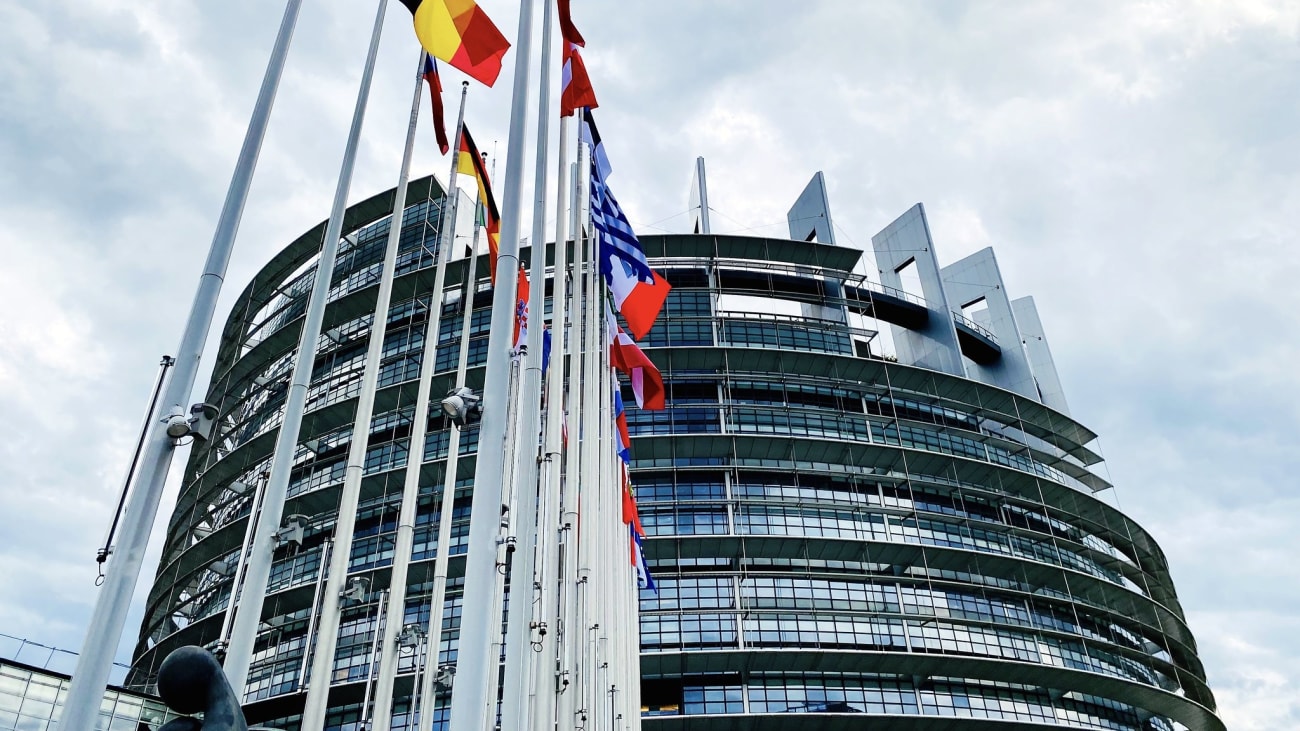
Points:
[(462, 405)]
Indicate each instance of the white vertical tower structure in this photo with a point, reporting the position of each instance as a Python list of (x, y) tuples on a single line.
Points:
[(974, 284), (810, 216), (907, 243), (698, 201), (1039, 354)]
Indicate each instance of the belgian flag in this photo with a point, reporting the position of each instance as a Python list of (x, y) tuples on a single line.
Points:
[(460, 33)]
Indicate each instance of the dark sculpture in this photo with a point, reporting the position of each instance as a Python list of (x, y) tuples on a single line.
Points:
[(191, 680)]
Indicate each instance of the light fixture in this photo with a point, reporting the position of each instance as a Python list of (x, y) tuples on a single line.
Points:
[(239, 488), (295, 528), (356, 589), (410, 636), (223, 569), (315, 446), (462, 406), (200, 423)]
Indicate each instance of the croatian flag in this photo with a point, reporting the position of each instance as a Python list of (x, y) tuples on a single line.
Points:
[(521, 312)]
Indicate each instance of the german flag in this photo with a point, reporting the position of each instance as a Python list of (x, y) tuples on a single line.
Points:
[(469, 162), (460, 33)]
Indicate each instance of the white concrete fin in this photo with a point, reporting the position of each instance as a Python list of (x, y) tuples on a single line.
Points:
[(907, 242), (698, 203), (810, 216), (977, 279), (1039, 354)]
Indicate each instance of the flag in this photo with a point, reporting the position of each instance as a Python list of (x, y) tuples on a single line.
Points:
[(470, 162), (521, 311), (546, 349), (647, 382), (460, 33), (435, 99), (575, 85), (629, 359), (639, 292), (630, 514), (567, 29), (620, 420), (643, 577), (590, 135), (639, 300)]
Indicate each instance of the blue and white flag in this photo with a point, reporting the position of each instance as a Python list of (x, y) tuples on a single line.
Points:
[(643, 577), (589, 134), (615, 234)]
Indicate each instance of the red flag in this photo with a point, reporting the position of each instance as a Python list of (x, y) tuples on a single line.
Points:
[(435, 99), (575, 86), (567, 29), (631, 515), (521, 309), (647, 382)]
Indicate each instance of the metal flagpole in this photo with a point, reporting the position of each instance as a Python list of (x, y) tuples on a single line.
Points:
[(244, 633), (515, 710), (442, 557), (104, 631), (350, 495), (468, 708), (569, 633), (591, 544), (545, 684), (419, 420), (223, 639), (419, 428)]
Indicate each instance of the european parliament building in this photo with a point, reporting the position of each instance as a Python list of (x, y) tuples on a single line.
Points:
[(867, 503)]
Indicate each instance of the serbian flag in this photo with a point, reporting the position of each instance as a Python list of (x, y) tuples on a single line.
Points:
[(435, 99), (643, 577), (567, 29), (575, 87), (470, 162), (521, 311), (460, 33)]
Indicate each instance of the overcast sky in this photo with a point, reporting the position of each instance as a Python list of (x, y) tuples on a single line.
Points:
[(1134, 164)]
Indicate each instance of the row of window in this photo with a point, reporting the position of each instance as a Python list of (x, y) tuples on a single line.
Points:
[(767, 693), (713, 631)]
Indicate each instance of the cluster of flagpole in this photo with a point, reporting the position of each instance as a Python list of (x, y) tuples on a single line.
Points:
[(552, 505)]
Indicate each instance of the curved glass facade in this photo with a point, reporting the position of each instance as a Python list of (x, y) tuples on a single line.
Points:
[(832, 533)]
